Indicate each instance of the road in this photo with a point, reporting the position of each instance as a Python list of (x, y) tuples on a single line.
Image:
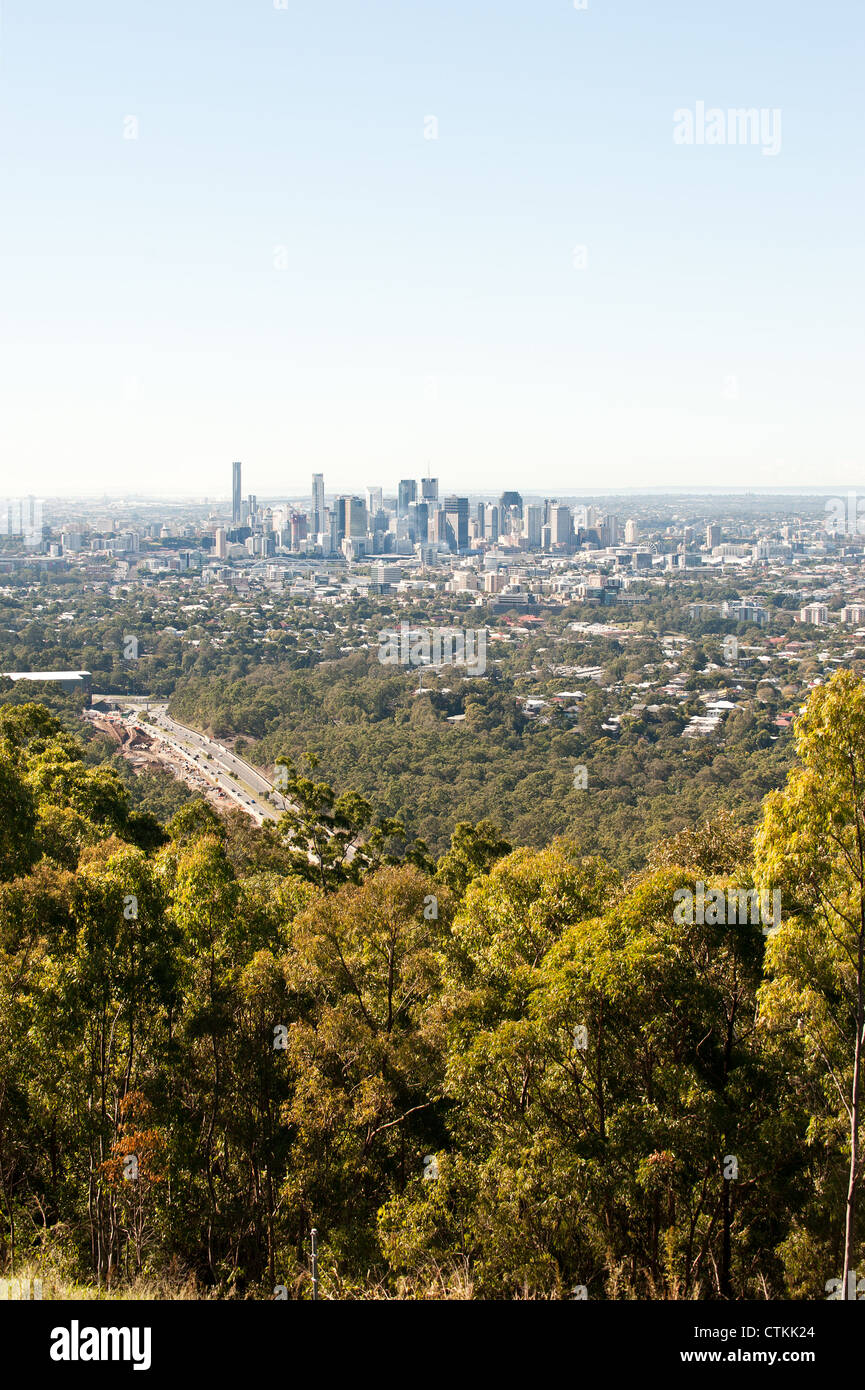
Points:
[(211, 760)]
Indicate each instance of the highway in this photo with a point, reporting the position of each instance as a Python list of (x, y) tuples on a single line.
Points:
[(211, 760)]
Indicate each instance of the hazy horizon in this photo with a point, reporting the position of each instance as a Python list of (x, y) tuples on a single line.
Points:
[(204, 498)]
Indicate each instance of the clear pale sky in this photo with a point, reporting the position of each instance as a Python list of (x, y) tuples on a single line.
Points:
[(281, 268)]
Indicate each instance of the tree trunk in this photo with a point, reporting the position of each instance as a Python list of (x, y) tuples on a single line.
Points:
[(850, 1215)]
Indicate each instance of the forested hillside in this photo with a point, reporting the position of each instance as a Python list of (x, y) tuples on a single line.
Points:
[(502, 1072), (369, 728)]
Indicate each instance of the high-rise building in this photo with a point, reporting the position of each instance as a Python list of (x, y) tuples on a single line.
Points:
[(317, 503), (298, 531), (221, 543), (713, 535), (236, 510), (350, 518), (457, 516), (630, 533), (510, 514), (561, 527), (373, 500), (407, 495), (491, 523), (438, 526), (533, 519), (511, 499), (429, 489), (418, 520)]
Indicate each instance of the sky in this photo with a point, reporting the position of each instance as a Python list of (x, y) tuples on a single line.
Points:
[(372, 239)]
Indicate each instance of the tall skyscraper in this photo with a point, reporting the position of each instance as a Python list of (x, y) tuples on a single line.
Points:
[(317, 503), (510, 514), (407, 495), (630, 533), (438, 527), (713, 535), (457, 514), (373, 500), (561, 527), (418, 520), (351, 518), (297, 524), (429, 489), (533, 520), (236, 509), (509, 500)]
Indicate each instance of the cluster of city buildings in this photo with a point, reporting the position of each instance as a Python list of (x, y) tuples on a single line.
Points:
[(513, 552), (291, 575), (416, 519)]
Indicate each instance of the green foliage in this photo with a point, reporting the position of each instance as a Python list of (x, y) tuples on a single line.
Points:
[(363, 725), (333, 839), (473, 851), (516, 1067), (811, 848)]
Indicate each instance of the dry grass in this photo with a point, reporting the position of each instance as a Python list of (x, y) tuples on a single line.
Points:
[(58, 1287)]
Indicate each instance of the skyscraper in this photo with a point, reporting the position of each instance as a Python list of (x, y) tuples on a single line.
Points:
[(429, 489), (418, 520), (533, 520), (407, 495), (297, 524), (561, 527), (235, 494), (351, 518), (457, 514), (510, 514), (438, 526), (509, 500), (317, 503)]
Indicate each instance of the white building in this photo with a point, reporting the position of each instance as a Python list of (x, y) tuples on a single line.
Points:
[(815, 613)]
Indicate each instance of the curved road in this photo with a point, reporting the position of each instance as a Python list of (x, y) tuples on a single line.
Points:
[(238, 778)]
